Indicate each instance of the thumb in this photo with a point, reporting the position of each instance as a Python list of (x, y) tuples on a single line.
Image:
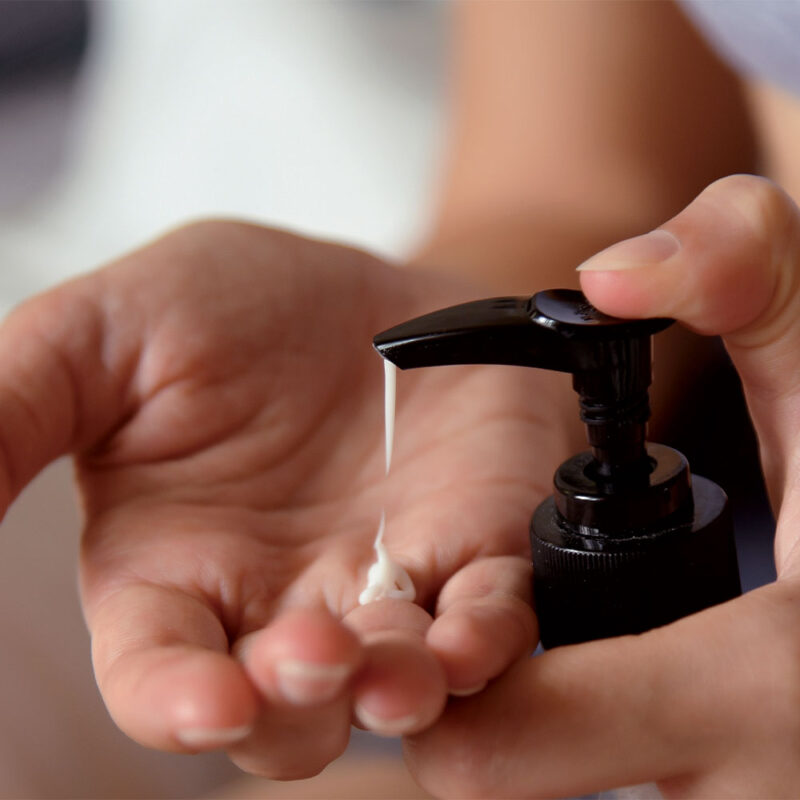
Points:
[(699, 705), (62, 379), (727, 264)]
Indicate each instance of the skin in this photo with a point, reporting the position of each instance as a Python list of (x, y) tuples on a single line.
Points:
[(230, 462), (704, 706), (230, 457)]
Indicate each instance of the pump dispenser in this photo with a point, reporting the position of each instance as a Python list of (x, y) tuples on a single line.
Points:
[(629, 540)]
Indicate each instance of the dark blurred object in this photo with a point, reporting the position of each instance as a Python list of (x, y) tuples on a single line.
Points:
[(42, 43), (37, 35), (718, 439)]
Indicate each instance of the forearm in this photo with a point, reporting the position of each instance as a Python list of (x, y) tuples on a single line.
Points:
[(550, 158), (516, 255)]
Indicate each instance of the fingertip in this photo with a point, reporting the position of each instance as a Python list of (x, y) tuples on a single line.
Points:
[(477, 641), (200, 739), (631, 293), (182, 699), (402, 688), (458, 640), (306, 657), (294, 743), (484, 622), (625, 279), (388, 614)]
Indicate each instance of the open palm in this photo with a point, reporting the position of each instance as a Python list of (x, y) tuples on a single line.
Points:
[(221, 394)]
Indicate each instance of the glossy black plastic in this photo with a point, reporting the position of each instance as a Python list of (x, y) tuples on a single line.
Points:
[(626, 542), (593, 584), (588, 499), (560, 330)]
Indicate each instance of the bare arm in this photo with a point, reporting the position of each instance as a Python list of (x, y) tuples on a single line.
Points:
[(575, 125), (776, 116)]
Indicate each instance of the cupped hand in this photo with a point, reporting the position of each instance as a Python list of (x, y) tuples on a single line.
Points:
[(706, 706), (224, 403)]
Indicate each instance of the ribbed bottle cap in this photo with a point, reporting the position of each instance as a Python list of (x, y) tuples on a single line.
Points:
[(592, 584)]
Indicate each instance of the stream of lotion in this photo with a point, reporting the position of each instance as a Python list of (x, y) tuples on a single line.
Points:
[(386, 578)]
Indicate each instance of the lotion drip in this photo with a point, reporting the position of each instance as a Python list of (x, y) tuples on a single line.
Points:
[(386, 578)]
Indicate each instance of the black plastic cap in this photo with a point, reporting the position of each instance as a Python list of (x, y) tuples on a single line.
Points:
[(627, 543), (591, 585)]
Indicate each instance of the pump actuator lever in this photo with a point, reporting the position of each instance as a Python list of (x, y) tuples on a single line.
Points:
[(610, 358), (629, 539), (557, 329)]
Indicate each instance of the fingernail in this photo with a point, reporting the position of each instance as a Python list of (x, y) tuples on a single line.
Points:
[(382, 726), (469, 691), (641, 251), (212, 737), (306, 683)]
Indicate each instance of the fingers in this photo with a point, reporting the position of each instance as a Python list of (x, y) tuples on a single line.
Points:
[(61, 382), (676, 703), (284, 708), (296, 742), (401, 687), (316, 675), (484, 622), (304, 658), (303, 666), (162, 664)]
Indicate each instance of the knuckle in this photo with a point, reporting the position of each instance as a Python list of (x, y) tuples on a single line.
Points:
[(204, 226), (764, 207), (211, 232), (752, 293)]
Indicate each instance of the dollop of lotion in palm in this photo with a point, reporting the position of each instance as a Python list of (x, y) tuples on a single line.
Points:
[(386, 578)]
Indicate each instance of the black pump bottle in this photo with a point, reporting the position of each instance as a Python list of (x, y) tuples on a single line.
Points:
[(629, 540)]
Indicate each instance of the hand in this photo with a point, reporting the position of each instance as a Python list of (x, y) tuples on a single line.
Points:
[(224, 403), (706, 706)]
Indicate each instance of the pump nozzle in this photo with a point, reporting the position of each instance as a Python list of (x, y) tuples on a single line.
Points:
[(556, 330), (626, 542)]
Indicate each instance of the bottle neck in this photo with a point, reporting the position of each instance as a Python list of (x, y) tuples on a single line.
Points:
[(616, 431), (624, 504)]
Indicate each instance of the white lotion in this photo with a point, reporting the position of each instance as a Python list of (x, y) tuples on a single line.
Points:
[(386, 578), (389, 395)]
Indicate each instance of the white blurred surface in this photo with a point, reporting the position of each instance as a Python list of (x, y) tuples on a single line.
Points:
[(322, 117)]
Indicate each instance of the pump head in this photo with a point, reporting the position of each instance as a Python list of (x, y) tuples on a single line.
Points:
[(560, 330), (624, 523)]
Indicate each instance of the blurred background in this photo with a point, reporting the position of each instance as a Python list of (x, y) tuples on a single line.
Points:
[(122, 118), (118, 120)]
